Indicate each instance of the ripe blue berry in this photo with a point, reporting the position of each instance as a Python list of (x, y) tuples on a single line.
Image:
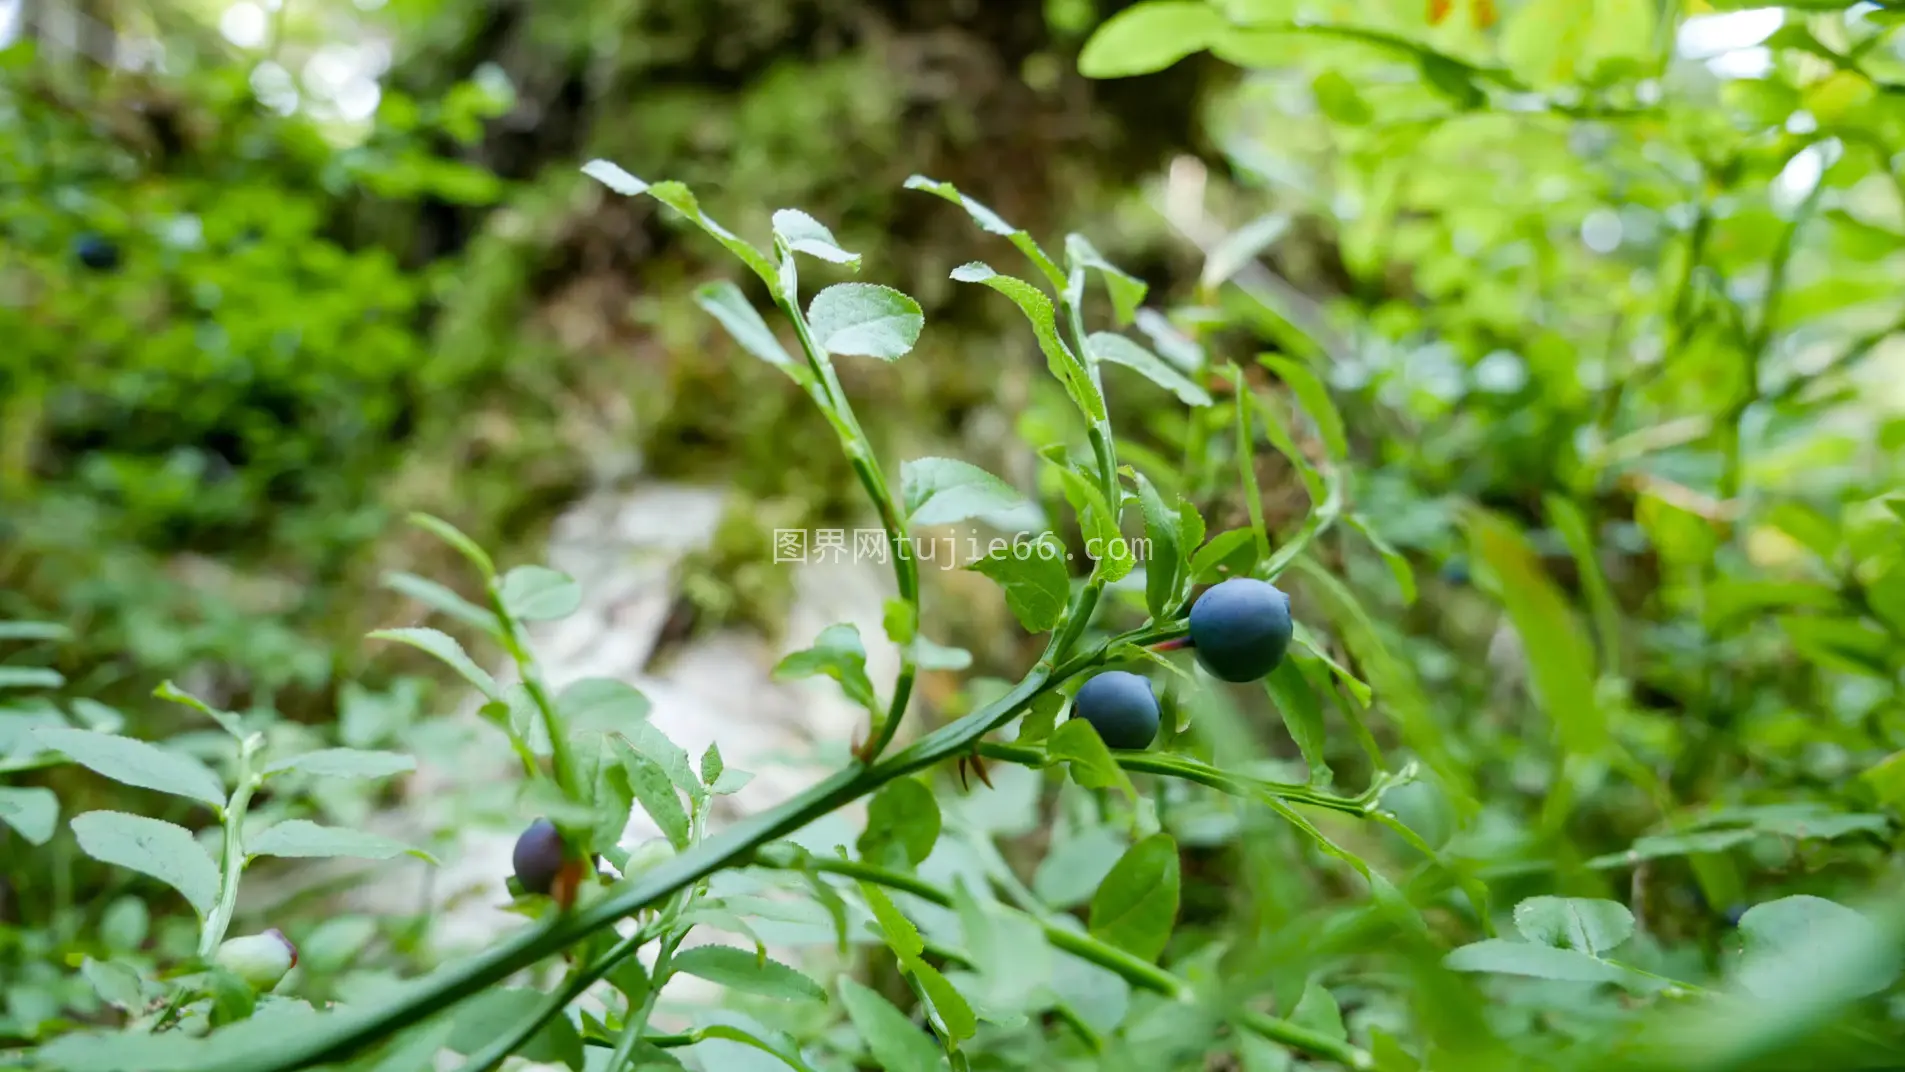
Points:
[(96, 252), (538, 857), (1241, 628), (1121, 707)]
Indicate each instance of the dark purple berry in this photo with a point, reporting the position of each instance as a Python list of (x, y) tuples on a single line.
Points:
[(1241, 628), (96, 252), (1121, 707), (538, 857)]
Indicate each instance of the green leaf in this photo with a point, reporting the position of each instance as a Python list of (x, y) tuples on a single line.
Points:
[(484, 1018), (17, 630), (1277, 430), (439, 598), (116, 984), (1119, 350), (539, 594), (941, 491), (1541, 39), (1789, 945), (1041, 718), (30, 677), (900, 621), (740, 969), (31, 810), (645, 739), (601, 703), (865, 320), (1064, 365), (1337, 98), (300, 838), (990, 222), (1228, 554), (838, 654), (1318, 1011), (162, 850), (1072, 870), (929, 655), (1167, 571), (1619, 29), (346, 763), (711, 765), (1658, 846), (1105, 545), (1149, 37), (1302, 715), (804, 234), (682, 200), (1560, 659), (953, 1009), (900, 934), (1398, 565), (446, 650), (725, 302), (1241, 247), (1170, 343), (453, 536), (226, 720), (134, 762), (896, 1043), (902, 824), (656, 792), (1315, 398), (1036, 581), (1583, 924), (1092, 766), (769, 1042), (1125, 290), (1136, 905), (1504, 957)]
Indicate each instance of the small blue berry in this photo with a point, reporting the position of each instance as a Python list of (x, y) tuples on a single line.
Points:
[(1241, 628), (1121, 707), (538, 857), (96, 252)]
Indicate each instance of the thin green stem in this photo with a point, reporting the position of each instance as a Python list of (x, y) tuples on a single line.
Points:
[(561, 754), (859, 450), (1103, 444), (638, 1017), (233, 863)]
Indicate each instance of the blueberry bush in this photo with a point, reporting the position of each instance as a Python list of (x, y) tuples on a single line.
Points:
[(1556, 515)]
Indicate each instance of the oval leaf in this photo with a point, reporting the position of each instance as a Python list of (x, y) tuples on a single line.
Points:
[(865, 320), (740, 969), (1136, 905), (32, 811), (302, 838), (133, 762), (162, 850), (446, 649), (897, 1044), (940, 491), (1149, 37), (540, 594), (346, 763), (1119, 350), (1036, 581)]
